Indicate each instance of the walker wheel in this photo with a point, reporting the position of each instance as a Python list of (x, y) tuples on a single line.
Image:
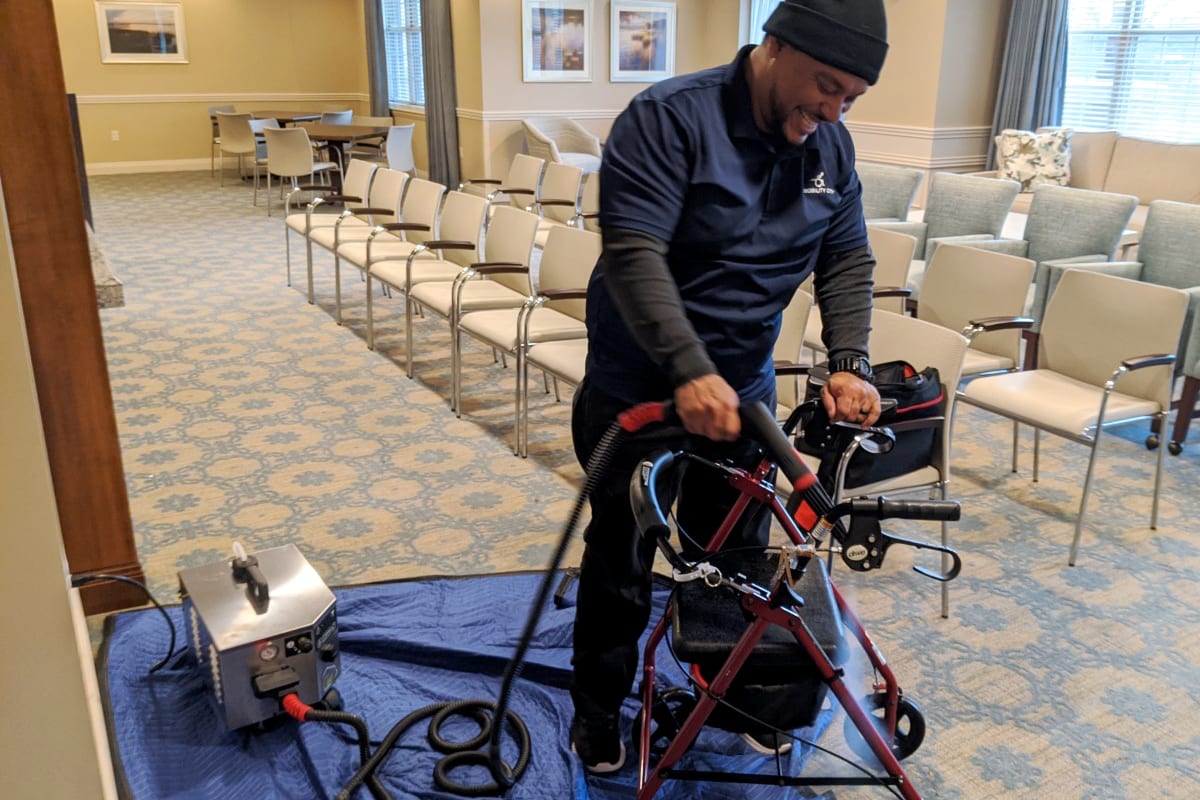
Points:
[(1174, 448), (1152, 442), (671, 708), (910, 727)]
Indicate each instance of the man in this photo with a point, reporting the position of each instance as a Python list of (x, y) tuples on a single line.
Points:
[(720, 192)]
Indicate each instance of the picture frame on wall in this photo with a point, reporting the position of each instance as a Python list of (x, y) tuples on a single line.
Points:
[(556, 40), (137, 33), (643, 41)]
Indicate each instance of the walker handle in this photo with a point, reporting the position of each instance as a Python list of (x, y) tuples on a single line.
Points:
[(648, 510)]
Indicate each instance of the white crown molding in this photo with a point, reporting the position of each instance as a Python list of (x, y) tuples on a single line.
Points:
[(258, 97)]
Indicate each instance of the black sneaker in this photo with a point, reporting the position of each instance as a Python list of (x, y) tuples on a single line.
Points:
[(768, 743), (597, 742)]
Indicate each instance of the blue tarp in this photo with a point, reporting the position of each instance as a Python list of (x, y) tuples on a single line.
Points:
[(405, 645)]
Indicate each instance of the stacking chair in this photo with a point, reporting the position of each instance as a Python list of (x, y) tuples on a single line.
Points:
[(356, 224), (1104, 357), (337, 117), (562, 141), (552, 317), (981, 294), (399, 148), (893, 258), (922, 344), (1168, 255), (588, 217), (519, 187), (458, 245), (417, 223), (236, 139), (290, 155), (216, 135), (558, 198), (553, 339), (887, 191), (956, 206), (792, 324), (501, 281)]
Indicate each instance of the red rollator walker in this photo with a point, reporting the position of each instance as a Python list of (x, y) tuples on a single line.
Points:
[(765, 628)]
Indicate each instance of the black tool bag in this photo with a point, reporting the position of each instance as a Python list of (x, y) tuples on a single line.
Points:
[(918, 395)]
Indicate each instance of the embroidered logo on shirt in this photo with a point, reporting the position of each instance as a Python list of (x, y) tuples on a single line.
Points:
[(817, 185)]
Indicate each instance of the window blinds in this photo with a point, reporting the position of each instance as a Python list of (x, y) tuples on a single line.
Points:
[(1134, 66), (402, 39)]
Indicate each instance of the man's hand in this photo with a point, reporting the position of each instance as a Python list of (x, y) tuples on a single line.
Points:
[(848, 398), (708, 406)]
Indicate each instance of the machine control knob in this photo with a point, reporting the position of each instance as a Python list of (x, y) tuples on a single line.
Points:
[(303, 644)]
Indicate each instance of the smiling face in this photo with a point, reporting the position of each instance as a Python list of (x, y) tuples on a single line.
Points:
[(792, 93)]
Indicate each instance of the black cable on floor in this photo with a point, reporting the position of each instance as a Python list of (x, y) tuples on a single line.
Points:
[(82, 580)]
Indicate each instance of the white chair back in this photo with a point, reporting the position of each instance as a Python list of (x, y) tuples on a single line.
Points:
[(336, 117), (234, 131), (525, 172), (289, 152), (561, 182), (400, 148), (357, 182), (893, 258), (510, 234), (422, 199), (387, 191), (788, 345)]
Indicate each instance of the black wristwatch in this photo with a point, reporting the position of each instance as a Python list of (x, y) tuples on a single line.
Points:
[(855, 365)]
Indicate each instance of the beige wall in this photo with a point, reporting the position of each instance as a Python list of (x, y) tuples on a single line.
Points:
[(931, 108), (302, 54), (53, 742)]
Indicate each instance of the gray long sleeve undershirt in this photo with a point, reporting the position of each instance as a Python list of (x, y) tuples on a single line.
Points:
[(640, 283)]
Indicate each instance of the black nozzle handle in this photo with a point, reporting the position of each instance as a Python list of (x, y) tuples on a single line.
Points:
[(761, 426), (883, 508), (648, 509)]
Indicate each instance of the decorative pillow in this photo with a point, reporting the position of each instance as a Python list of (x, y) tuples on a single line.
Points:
[(1035, 158)]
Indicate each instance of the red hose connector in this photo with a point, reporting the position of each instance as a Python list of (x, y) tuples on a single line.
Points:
[(295, 707)]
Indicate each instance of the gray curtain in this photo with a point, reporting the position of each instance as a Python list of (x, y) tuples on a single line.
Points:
[(1034, 70), (441, 100), (376, 58)]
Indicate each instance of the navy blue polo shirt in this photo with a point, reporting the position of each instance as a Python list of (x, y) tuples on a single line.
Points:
[(745, 215)]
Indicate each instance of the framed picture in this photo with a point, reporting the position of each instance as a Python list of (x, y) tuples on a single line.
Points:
[(643, 41), (133, 33), (555, 40)]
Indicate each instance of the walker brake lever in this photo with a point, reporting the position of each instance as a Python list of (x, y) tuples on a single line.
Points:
[(866, 544)]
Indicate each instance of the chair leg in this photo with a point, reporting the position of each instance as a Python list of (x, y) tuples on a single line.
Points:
[(557, 398), (1162, 424), (337, 285), (1037, 441), (1016, 434), (1087, 487), (455, 363), (408, 335), (945, 561), (370, 314), (287, 252), (1183, 416), (308, 262), (222, 169)]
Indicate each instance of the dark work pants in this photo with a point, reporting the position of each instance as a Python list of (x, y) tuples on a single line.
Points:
[(613, 601)]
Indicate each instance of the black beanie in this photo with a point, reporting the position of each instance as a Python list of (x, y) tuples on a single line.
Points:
[(850, 35)]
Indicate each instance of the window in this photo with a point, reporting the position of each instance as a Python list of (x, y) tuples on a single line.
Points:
[(754, 14), (405, 62), (1134, 66)]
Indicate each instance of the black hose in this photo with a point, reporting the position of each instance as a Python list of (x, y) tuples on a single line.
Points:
[(485, 712), (82, 580), (364, 743)]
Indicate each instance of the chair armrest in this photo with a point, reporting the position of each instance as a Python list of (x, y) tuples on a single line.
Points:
[(403, 226), (563, 294), (363, 210), (513, 190), (559, 203), (1141, 362), (449, 244), (791, 368), (497, 268), (990, 324), (336, 198), (891, 291), (479, 180), (312, 187)]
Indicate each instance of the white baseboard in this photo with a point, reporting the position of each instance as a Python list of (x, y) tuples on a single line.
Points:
[(132, 167)]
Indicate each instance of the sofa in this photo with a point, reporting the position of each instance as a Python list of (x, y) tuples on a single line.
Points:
[(1108, 162)]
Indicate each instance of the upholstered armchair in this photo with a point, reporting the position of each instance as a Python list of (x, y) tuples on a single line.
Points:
[(887, 191), (1168, 255), (558, 139)]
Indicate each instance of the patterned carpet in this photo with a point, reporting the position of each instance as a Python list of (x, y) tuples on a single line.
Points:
[(247, 414)]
